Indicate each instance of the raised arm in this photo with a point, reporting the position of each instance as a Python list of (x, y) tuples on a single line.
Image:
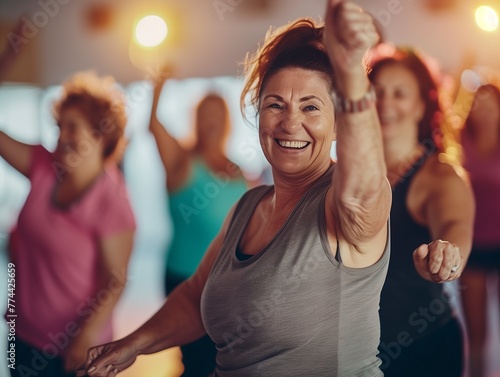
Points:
[(449, 213), (177, 322), (17, 154), (360, 197), (173, 156)]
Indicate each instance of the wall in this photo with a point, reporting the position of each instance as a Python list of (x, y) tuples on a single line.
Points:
[(211, 37)]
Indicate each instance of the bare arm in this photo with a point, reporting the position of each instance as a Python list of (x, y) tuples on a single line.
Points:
[(173, 156), (360, 197), (449, 213), (177, 322), (17, 154), (115, 255)]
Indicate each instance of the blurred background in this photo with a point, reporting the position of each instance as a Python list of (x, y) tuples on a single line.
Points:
[(204, 41), (210, 37)]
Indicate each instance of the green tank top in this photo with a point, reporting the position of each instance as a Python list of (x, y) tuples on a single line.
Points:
[(198, 211)]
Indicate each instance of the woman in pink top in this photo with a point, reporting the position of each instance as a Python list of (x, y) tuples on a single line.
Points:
[(74, 235), (481, 147)]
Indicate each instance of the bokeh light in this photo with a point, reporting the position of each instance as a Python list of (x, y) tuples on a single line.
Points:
[(470, 80), (486, 18), (151, 31)]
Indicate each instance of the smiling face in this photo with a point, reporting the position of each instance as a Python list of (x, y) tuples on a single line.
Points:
[(77, 138), (296, 122), (399, 104)]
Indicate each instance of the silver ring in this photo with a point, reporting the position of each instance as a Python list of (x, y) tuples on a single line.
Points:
[(454, 268)]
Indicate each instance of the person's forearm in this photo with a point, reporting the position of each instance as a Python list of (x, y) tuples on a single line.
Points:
[(16, 154), (360, 158), (177, 323), (103, 308), (359, 147), (153, 120)]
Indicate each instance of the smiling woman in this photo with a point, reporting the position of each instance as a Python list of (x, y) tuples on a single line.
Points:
[(309, 253), (292, 119)]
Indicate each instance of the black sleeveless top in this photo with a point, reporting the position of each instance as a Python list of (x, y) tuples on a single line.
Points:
[(410, 306)]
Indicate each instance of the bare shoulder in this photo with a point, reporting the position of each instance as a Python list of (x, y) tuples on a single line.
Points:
[(441, 176), (437, 171)]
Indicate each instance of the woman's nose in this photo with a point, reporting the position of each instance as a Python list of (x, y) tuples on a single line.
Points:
[(292, 120)]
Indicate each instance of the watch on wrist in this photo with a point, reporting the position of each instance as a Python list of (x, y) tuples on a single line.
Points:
[(344, 105)]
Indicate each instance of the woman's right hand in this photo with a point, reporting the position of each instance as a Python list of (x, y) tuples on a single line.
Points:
[(109, 359), (349, 33)]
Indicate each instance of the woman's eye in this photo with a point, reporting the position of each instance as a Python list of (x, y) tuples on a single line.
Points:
[(310, 108), (275, 106)]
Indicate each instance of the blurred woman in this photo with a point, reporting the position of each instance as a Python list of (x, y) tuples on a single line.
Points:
[(431, 224), (481, 149), (75, 232), (202, 184)]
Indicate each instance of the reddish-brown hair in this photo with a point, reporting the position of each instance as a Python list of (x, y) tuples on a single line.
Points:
[(429, 126), (299, 44), (100, 101)]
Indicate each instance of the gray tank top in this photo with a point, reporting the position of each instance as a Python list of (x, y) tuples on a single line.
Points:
[(293, 309)]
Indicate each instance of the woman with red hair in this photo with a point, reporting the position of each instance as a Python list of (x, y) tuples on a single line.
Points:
[(431, 223)]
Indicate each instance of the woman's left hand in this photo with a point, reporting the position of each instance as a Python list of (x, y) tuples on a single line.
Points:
[(438, 261)]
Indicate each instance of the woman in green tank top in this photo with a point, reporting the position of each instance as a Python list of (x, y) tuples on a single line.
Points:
[(202, 184)]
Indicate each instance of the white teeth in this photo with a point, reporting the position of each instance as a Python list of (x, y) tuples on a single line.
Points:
[(293, 144)]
